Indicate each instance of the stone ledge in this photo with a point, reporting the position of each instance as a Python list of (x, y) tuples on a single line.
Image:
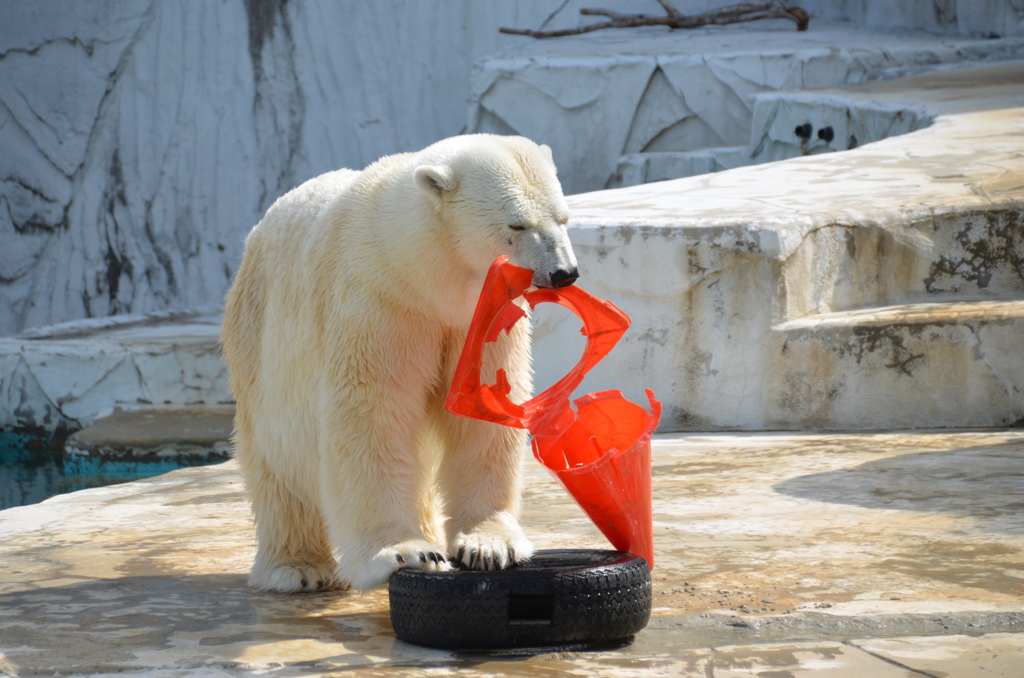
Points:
[(868, 112), (852, 116), (113, 326), (954, 312), (156, 433), (707, 267), (65, 376), (643, 168), (904, 367)]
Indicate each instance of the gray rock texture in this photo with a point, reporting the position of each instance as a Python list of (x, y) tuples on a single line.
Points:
[(63, 377), (604, 95), (141, 139)]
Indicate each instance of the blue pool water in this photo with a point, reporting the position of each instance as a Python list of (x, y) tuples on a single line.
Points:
[(31, 470)]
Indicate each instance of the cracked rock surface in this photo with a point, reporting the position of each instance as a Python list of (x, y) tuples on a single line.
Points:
[(142, 139), (63, 377), (607, 94)]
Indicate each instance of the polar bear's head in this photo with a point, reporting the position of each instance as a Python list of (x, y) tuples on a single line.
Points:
[(500, 195)]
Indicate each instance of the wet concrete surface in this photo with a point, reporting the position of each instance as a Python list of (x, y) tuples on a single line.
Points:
[(890, 554)]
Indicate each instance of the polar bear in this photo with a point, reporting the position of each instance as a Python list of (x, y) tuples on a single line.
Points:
[(341, 333)]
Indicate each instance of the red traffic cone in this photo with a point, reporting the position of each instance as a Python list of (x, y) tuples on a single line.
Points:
[(604, 461), (601, 454)]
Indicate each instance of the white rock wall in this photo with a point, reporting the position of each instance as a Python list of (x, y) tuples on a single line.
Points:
[(990, 17), (141, 139), (62, 377), (880, 287), (776, 116)]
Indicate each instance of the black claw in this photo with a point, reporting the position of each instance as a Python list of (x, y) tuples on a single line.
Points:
[(423, 557), (488, 562), (433, 557), (441, 557), (305, 583), (462, 552), (473, 557), (400, 559), (511, 556)]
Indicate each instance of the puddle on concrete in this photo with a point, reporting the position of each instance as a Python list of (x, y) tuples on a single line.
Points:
[(33, 468)]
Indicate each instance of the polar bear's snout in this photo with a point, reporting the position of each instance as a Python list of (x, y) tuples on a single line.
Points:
[(546, 251), (560, 276), (563, 278)]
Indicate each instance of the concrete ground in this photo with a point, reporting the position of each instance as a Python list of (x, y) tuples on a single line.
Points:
[(890, 554)]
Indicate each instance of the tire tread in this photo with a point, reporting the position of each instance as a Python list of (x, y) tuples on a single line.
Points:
[(592, 603)]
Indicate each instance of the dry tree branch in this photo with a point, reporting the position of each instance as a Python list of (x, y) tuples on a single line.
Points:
[(733, 14), (670, 9)]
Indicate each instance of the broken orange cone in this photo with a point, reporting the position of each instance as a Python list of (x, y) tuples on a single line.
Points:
[(604, 461), (600, 452)]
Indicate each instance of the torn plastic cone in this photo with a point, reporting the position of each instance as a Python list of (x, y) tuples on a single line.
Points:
[(601, 452)]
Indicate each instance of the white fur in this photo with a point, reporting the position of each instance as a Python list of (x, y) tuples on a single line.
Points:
[(342, 331)]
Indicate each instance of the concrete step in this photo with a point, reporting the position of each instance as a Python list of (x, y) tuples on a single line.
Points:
[(951, 312), (732, 279), (839, 119), (642, 168), (937, 364), (965, 253), (184, 434), (799, 123)]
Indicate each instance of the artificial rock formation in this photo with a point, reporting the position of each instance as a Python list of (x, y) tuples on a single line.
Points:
[(142, 139)]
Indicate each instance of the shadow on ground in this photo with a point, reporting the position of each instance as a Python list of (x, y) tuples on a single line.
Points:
[(984, 482)]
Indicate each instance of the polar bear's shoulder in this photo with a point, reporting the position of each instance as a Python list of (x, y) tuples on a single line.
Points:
[(302, 205), (318, 192)]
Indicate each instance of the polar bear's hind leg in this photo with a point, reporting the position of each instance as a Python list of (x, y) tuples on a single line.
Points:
[(293, 553)]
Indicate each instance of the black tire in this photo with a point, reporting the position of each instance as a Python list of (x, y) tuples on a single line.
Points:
[(564, 597)]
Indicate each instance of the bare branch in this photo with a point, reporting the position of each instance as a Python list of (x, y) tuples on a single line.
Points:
[(670, 9), (565, 31), (614, 16), (733, 14)]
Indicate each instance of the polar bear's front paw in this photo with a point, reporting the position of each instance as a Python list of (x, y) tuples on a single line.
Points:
[(421, 555), (294, 577), (491, 547), (414, 553)]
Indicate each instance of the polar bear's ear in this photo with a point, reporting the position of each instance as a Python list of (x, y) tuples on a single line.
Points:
[(547, 152), (434, 180)]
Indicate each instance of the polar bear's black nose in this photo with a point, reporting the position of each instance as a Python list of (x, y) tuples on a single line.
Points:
[(563, 278)]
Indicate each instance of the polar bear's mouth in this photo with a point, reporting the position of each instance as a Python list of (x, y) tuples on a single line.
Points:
[(562, 277)]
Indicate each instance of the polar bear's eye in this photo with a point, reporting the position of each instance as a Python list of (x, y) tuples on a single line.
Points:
[(517, 227)]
